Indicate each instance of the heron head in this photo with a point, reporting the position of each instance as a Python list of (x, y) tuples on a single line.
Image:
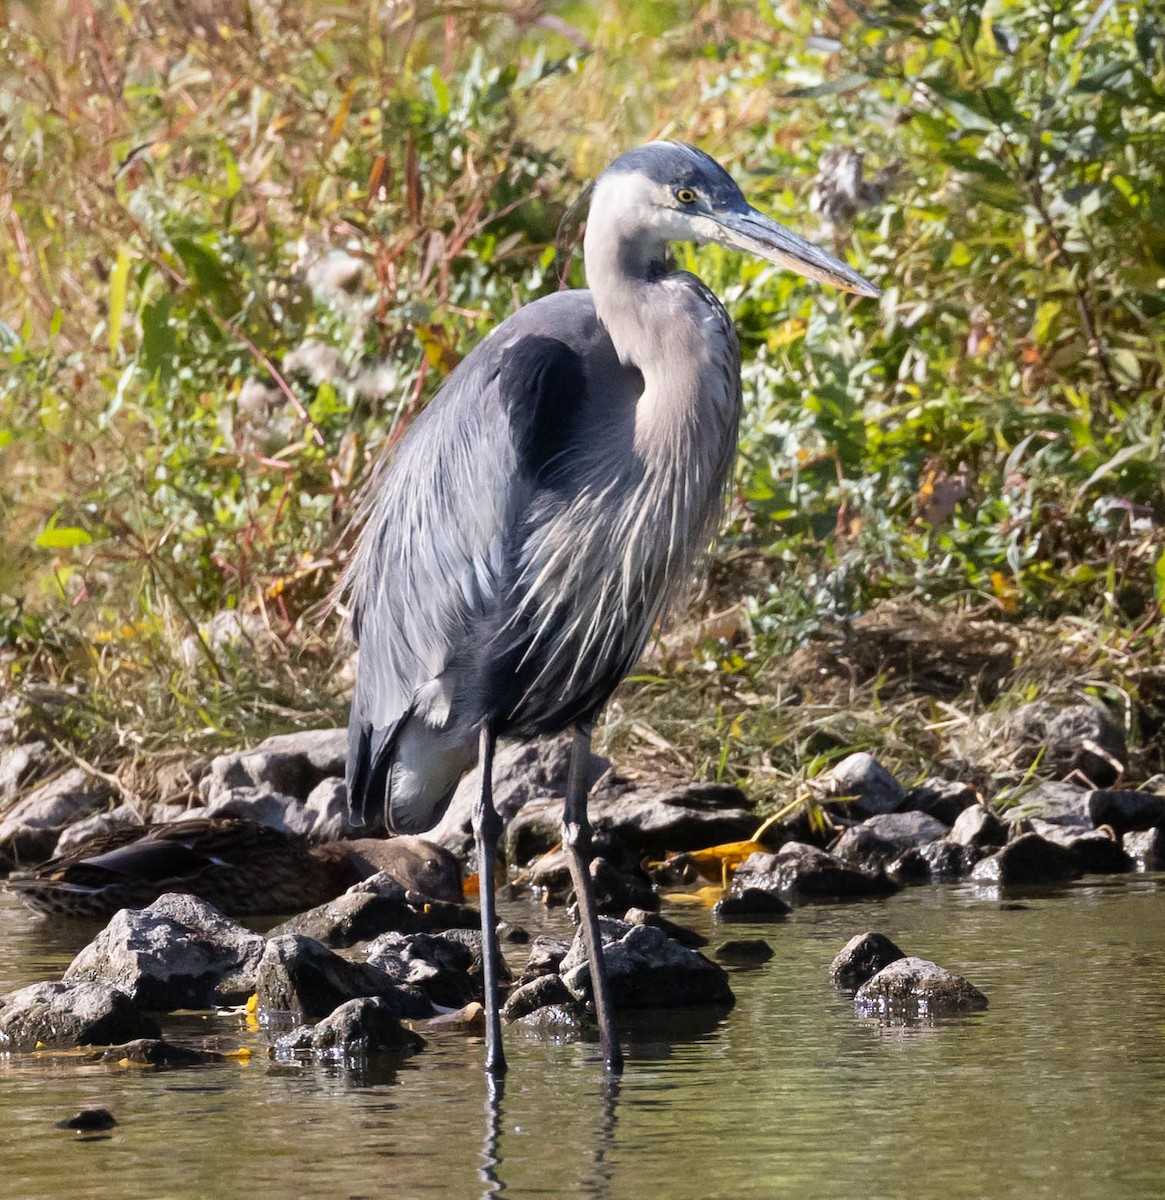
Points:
[(675, 193)]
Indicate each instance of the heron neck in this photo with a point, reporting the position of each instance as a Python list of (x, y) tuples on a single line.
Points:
[(624, 273)]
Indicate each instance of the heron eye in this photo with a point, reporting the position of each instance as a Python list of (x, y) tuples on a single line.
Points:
[(685, 196)]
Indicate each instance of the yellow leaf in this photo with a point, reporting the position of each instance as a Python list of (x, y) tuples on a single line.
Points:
[(242, 1054), (118, 283), (703, 897), (712, 862), (1005, 591), (252, 1004)]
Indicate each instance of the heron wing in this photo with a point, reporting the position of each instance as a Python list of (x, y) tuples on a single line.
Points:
[(428, 573)]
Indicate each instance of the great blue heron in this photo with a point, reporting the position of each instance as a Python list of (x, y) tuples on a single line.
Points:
[(545, 510)]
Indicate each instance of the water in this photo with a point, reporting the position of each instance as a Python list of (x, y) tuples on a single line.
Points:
[(1058, 1090)]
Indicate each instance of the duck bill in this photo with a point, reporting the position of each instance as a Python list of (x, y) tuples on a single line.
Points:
[(757, 234)]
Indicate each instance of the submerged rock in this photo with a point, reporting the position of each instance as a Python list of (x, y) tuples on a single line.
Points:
[(802, 872), (910, 988), (156, 1052), (751, 904), (861, 958), (89, 1120), (1030, 859), (744, 951), (178, 952), (366, 1025), (70, 1014)]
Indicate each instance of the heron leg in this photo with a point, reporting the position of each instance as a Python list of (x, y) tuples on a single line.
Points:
[(487, 828), (576, 837)]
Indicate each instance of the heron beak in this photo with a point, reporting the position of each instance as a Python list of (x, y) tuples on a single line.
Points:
[(749, 230)]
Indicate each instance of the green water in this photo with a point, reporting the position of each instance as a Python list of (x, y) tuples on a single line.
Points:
[(1057, 1090)]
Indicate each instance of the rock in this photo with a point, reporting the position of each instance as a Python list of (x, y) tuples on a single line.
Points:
[(1126, 810), (70, 1014), (180, 952), (155, 1052), (262, 806), (17, 765), (546, 955), (1146, 847), (910, 988), (618, 889), (644, 820), (646, 969), (374, 906), (804, 872), (1055, 801), (977, 828), (1030, 859), (674, 930), (327, 803), (861, 958), (541, 991), (72, 836), (1079, 739), (744, 951), (417, 864), (89, 1120), (30, 828), (291, 764), (297, 974), (875, 841), (873, 788), (943, 799), (470, 1019), (440, 967), (1096, 851), (523, 771), (935, 860), (751, 904), (365, 1025)]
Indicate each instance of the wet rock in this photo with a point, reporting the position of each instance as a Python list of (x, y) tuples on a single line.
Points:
[(264, 807), (523, 772), (155, 1052), (911, 988), (1125, 810), (943, 799), (618, 889), (542, 991), (30, 828), (471, 939), (70, 1014), (751, 904), (470, 1019), (646, 969), (546, 955), (290, 764), (18, 764), (327, 804), (802, 872), (1146, 847), (673, 929), (861, 958), (1030, 859), (877, 840), (366, 1025), (978, 828), (934, 861), (744, 951), (77, 834), (415, 863), (861, 776), (89, 1120), (1096, 851), (179, 952), (299, 975), (374, 906), (440, 967)]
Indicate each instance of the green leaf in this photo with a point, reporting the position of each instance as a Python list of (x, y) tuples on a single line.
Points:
[(831, 87), (61, 537)]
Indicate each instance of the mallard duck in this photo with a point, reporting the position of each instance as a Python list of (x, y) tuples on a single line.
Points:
[(242, 868)]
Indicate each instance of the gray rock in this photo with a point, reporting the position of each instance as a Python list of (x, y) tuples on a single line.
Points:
[(1030, 859), (879, 839), (1080, 738), (1125, 810), (156, 1052), (1146, 847), (17, 765), (523, 771), (911, 988), (1096, 851), (179, 952), (291, 764), (72, 836), (264, 807), (70, 1014), (297, 974), (546, 955), (744, 951), (861, 958), (751, 904), (942, 799), (935, 860), (674, 930), (646, 969), (801, 872), (440, 967), (978, 828), (327, 805), (31, 827), (540, 991), (366, 1025), (873, 788)]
